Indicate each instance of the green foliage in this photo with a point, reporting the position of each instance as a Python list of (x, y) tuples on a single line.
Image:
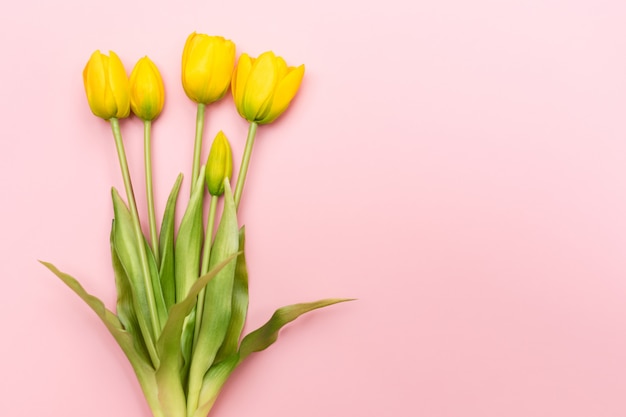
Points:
[(182, 332), (181, 376), (125, 308), (239, 303), (166, 246), (216, 314), (124, 246), (266, 335)]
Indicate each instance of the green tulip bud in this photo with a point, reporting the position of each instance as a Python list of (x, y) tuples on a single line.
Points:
[(219, 165)]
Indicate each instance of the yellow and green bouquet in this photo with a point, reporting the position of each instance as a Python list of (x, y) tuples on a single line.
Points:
[(182, 292)]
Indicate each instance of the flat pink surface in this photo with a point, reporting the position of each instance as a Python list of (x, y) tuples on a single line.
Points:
[(459, 167)]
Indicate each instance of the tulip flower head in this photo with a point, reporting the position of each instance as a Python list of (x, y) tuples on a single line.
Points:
[(219, 165), (207, 68), (147, 94), (106, 86), (263, 87)]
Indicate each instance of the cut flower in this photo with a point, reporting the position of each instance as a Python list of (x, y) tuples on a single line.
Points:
[(106, 86), (263, 87), (207, 67)]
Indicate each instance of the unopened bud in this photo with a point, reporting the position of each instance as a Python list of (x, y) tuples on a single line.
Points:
[(219, 165)]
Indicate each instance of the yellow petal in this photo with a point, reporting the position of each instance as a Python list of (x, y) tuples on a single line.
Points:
[(186, 51), (194, 66), (240, 78), (94, 80), (260, 86), (281, 67), (118, 82), (223, 69), (208, 63), (285, 92)]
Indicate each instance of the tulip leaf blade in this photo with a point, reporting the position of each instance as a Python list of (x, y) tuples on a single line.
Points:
[(187, 250), (155, 281), (125, 307), (124, 339), (189, 242), (128, 253), (266, 335), (213, 382), (240, 300), (169, 348), (216, 314), (166, 246), (143, 369)]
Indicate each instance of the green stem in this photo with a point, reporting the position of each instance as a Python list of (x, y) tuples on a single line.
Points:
[(147, 125), (209, 235), (243, 169), (150, 389), (206, 256), (197, 148), (119, 144)]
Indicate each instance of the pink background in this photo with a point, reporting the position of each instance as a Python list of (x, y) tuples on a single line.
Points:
[(459, 167)]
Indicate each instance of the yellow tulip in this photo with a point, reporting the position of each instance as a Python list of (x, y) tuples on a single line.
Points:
[(106, 85), (147, 94), (219, 165), (263, 87), (208, 63)]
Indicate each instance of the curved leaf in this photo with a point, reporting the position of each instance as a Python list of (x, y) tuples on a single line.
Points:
[(125, 308), (166, 246), (189, 242), (143, 370), (187, 251), (239, 303), (217, 300), (213, 382), (171, 392), (127, 251), (159, 301), (266, 335)]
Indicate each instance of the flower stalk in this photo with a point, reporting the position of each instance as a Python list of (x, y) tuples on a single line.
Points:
[(154, 237), (245, 162), (132, 205), (197, 147)]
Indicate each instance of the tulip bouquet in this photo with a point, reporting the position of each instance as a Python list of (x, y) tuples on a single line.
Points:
[(182, 292)]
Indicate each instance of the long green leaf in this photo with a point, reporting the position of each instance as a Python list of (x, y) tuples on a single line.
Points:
[(189, 242), (171, 390), (213, 382), (143, 369), (127, 250), (125, 306), (130, 261), (166, 246), (258, 340), (239, 303), (187, 259), (186, 343), (159, 301), (266, 335), (217, 300)]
